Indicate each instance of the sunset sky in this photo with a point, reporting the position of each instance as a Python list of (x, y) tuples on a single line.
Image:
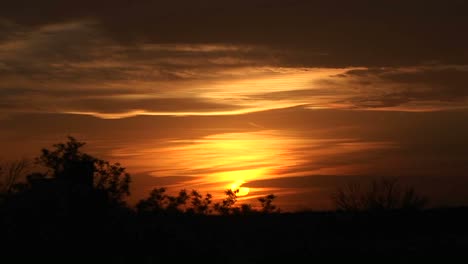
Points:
[(287, 97)]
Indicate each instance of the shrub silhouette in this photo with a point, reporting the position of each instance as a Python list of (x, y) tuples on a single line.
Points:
[(72, 181), (75, 169), (159, 202), (200, 205), (10, 174), (380, 195), (227, 205), (177, 203), (247, 209), (155, 203), (267, 205)]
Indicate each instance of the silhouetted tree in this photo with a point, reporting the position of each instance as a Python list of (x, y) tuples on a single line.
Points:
[(112, 180), (72, 181), (176, 204), (383, 194), (350, 198), (227, 205), (160, 202), (10, 174), (412, 201), (155, 203), (75, 169), (247, 209), (199, 204), (267, 205)]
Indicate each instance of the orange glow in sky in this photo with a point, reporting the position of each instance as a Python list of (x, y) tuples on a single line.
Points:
[(232, 160)]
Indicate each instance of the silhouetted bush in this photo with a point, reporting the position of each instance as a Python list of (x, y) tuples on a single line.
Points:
[(383, 194), (154, 203), (200, 205), (267, 205), (226, 206), (71, 182), (10, 175), (67, 164), (159, 202)]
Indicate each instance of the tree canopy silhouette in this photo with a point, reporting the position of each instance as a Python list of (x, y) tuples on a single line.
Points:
[(159, 202), (11, 173), (71, 179), (267, 204), (226, 206), (67, 163), (381, 195)]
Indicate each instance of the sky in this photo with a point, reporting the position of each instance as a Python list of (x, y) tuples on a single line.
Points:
[(292, 97)]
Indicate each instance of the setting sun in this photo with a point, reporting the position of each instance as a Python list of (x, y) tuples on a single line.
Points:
[(242, 191)]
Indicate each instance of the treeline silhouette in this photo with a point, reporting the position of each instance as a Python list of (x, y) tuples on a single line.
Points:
[(77, 203), (159, 202), (381, 195)]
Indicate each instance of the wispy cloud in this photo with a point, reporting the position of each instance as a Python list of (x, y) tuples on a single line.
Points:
[(75, 67)]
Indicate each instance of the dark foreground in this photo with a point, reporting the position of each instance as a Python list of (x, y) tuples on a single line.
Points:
[(127, 237), (75, 212)]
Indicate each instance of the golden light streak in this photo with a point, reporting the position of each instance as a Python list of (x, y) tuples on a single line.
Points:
[(181, 113)]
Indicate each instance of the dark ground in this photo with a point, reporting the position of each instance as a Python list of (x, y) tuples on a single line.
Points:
[(126, 237)]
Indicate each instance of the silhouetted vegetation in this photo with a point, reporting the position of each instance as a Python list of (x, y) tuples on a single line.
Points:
[(75, 198), (226, 206), (159, 202), (267, 204), (10, 174), (68, 165), (200, 205), (379, 195)]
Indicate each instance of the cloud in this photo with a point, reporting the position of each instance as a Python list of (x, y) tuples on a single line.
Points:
[(390, 87), (79, 52), (88, 62), (303, 93), (105, 104), (119, 105), (314, 34), (72, 67)]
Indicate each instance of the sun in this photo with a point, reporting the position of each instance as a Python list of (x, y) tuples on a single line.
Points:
[(243, 191)]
